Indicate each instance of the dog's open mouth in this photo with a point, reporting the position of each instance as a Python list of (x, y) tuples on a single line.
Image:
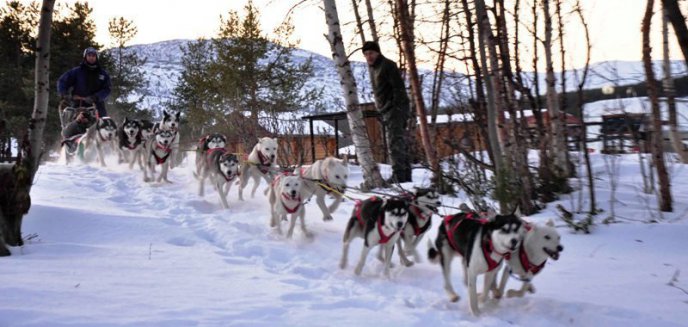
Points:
[(552, 254)]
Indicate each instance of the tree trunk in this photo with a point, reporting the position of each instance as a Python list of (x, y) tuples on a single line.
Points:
[(665, 202), (679, 24), (359, 135), (558, 144), (494, 104), (371, 22), (584, 132), (408, 47), (670, 92), (16, 180)]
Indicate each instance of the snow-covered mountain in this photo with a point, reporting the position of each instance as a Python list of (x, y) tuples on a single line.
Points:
[(163, 68)]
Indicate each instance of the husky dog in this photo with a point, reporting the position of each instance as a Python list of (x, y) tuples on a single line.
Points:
[(482, 244), (170, 122), (379, 222), (260, 163), (539, 243), (422, 204), (130, 142), (103, 133), (158, 151), (221, 167), (325, 177), (147, 129), (211, 141), (285, 198)]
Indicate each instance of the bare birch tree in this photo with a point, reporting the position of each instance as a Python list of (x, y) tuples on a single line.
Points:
[(359, 135), (665, 201), (16, 179)]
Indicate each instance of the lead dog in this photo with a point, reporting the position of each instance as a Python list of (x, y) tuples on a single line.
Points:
[(540, 243), (482, 244), (259, 164), (158, 151), (422, 204), (325, 177), (210, 141), (130, 143), (221, 168), (378, 221), (285, 199), (103, 133), (170, 122)]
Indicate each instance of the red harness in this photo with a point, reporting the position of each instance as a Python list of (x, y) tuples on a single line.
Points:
[(264, 164), (417, 230), (486, 244), (161, 160), (358, 207)]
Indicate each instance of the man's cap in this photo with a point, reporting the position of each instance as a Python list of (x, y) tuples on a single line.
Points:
[(90, 50), (370, 45)]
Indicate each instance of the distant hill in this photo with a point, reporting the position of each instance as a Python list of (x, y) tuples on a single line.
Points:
[(163, 68)]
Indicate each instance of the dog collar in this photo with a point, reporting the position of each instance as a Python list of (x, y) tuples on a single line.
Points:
[(160, 160), (294, 209), (525, 262), (488, 248), (417, 230)]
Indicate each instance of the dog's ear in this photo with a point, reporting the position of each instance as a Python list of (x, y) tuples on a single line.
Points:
[(491, 214), (165, 114), (549, 223), (464, 207), (517, 211)]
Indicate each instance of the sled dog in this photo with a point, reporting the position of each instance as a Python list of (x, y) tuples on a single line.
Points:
[(378, 221), (103, 133), (482, 244), (170, 122), (285, 199), (130, 143), (158, 151), (221, 167), (422, 204), (325, 177), (147, 129), (211, 141), (260, 163), (539, 243)]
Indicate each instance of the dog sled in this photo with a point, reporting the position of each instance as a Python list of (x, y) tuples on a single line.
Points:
[(69, 111)]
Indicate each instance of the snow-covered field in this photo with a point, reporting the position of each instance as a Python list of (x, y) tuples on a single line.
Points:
[(106, 249)]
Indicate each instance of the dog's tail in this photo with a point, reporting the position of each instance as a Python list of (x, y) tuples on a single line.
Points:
[(432, 252)]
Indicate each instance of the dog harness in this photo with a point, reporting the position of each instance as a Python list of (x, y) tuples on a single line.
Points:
[(417, 230), (158, 159), (264, 163), (358, 208), (486, 243)]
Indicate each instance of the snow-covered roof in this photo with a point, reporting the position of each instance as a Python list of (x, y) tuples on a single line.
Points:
[(290, 123)]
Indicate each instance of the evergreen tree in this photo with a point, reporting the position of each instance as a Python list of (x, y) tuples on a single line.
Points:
[(17, 41), (124, 69)]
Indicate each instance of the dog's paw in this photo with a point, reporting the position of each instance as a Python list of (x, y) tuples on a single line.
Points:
[(513, 293), (454, 298), (496, 294), (327, 218), (407, 263), (531, 289), (358, 270)]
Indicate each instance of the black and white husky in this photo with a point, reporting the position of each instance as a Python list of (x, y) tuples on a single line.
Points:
[(482, 244), (261, 163), (102, 134), (378, 221), (423, 203), (285, 199), (210, 141), (170, 122), (540, 243), (325, 177), (130, 143), (158, 151), (221, 167)]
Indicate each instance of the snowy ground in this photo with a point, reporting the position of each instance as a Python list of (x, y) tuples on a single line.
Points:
[(106, 249)]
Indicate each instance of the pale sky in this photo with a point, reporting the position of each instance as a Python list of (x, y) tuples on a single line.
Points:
[(614, 24)]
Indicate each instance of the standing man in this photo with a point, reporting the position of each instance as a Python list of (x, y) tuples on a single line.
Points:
[(88, 84), (393, 105)]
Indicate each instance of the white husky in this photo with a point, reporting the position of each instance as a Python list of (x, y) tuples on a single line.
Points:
[(285, 199), (323, 177), (539, 243), (260, 163)]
